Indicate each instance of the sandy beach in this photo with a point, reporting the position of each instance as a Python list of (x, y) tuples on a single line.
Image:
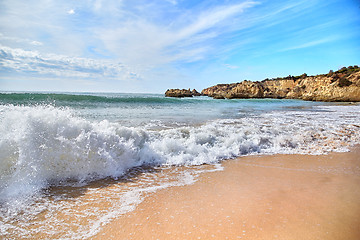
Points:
[(255, 197)]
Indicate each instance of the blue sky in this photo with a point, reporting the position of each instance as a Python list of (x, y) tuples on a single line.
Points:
[(150, 46)]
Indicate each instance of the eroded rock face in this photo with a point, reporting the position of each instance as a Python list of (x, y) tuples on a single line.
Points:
[(181, 93), (343, 85), (330, 89), (195, 93)]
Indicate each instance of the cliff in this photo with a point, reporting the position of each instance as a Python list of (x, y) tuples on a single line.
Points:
[(342, 85)]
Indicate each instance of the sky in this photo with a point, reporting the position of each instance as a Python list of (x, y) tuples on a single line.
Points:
[(145, 46)]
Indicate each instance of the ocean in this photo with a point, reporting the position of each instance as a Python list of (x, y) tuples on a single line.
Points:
[(70, 163)]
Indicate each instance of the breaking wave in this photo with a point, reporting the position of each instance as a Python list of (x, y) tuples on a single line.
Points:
[(42, 146)]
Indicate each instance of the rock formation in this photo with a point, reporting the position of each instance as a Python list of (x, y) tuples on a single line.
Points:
[(181, 93), (342, 85), (195, 93)]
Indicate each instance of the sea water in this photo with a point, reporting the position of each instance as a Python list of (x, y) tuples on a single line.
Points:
[(72, 162)]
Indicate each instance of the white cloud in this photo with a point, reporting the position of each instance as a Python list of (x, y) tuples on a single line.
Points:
[(229, 66), (61, 66), (71, 12), (212, 17), (143, 42), (20, 40), (174, 2), (311, 43)]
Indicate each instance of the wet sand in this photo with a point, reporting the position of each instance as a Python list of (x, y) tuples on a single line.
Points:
[(267, 197)]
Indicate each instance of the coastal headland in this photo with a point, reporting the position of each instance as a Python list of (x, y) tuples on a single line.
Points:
[(339, 86)]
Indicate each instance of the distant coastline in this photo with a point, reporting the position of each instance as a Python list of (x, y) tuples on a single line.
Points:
[(339, 86)]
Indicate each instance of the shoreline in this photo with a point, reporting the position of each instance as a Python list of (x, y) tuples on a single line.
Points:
[(254, 197)]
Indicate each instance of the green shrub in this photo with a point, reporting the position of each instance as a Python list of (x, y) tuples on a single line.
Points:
[(344, 82)]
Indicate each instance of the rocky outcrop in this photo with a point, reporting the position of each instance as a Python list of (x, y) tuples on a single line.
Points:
[(342, 85), (195, 93), (179, 93)]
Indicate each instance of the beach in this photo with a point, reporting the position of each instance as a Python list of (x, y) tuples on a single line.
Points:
[(143, 166), (169, 120), (255, 197)]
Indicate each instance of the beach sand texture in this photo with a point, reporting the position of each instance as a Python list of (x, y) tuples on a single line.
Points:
[(255, 197)]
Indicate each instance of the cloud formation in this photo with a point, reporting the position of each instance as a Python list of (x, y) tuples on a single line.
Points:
[(185, 38), (32, 62), (71, 11), (168, 40), (4, 38), (115, 30)]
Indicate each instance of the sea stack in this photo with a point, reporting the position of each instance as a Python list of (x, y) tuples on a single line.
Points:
[(180, 93)]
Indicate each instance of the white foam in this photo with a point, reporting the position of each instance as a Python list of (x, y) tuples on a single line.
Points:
[(44, 145), (63, 219)]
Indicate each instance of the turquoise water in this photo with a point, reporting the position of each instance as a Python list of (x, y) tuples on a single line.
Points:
[(140, 109)]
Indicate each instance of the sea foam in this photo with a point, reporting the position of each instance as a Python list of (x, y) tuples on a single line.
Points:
[(45, 145)]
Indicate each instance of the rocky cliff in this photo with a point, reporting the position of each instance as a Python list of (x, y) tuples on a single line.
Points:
[(342, 85), (181, 93)]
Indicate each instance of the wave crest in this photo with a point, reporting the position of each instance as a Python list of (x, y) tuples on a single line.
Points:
[(44, 145)]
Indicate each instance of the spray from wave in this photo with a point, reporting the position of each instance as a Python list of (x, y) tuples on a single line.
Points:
[(44, 145)]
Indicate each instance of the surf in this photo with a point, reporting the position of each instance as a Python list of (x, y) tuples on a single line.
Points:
[(42, 146)]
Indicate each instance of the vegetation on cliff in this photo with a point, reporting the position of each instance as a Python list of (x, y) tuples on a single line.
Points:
[(341, 85), (342, 74)]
